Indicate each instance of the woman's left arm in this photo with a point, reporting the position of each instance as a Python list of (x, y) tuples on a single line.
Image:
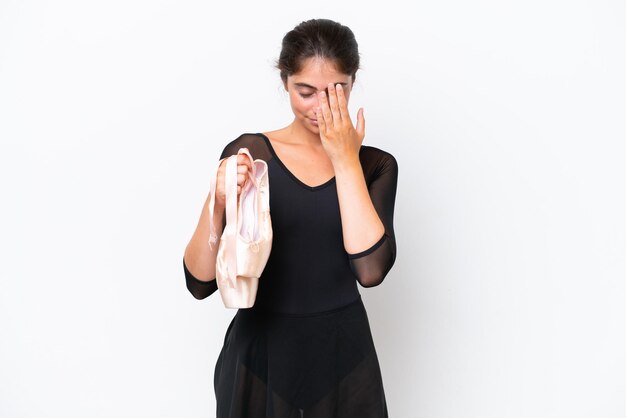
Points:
[(366, 212)]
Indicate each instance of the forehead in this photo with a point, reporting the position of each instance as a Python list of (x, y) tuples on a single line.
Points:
[(318, 72)]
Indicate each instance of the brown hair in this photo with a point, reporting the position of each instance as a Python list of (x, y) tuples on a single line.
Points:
[(322, 38)]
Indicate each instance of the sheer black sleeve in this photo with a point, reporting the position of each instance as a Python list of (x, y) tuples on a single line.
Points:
[(372, 265), (198, 288)]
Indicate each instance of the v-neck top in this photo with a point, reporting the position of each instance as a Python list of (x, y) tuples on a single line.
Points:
[(289, 173), (309, 270)]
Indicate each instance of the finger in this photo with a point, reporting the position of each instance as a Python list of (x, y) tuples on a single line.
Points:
[(334, 104), (243, 169), (246, 169), (243, 160), (343, 103), (327, 115), (360, 124), (321, 123)]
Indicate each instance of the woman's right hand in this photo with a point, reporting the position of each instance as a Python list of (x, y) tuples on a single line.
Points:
[(243, 168)]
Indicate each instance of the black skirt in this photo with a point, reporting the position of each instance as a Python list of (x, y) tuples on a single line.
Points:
[(320, 365)]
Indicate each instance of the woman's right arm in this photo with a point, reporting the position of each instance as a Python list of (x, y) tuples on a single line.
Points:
[(199, 259)]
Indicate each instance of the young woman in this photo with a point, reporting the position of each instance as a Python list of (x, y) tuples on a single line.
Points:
[(305, 348)]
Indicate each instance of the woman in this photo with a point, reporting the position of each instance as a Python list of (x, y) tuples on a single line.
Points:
[(305, 348)]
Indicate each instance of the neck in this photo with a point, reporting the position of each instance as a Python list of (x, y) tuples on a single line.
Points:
[(303, 135)]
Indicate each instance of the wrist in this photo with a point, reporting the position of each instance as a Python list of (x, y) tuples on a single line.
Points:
[(347, 164)]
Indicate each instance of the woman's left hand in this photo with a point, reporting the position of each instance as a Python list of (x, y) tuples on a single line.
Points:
[(339, 137)]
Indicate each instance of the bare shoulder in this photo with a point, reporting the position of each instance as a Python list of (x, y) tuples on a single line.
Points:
[(277, 136)]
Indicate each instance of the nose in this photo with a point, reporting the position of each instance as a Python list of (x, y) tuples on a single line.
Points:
[(318, 102)]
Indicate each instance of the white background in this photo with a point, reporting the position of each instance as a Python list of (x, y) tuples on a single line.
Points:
[(507, 121)]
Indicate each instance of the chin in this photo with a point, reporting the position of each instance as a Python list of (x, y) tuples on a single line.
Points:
[(306, 123)]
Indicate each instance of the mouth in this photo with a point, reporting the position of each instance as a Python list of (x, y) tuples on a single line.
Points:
[(313, 121)]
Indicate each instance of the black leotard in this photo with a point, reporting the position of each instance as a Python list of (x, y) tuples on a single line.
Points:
[(308, 269)]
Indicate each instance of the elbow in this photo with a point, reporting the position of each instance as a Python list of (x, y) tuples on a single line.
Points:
[(373, 279), (198, 288), (371, 282), (196, 293), (371, 274), (201, 290)]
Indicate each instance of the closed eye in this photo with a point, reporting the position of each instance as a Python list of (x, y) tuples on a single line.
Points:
[(306, 95)]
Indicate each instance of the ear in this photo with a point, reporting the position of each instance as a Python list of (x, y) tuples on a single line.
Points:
[(285, 85)]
